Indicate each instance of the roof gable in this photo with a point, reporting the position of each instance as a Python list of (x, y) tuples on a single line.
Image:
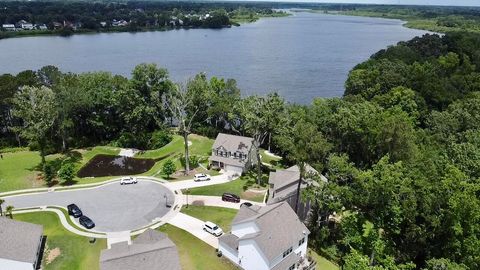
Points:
[(150, 250), (233, 143), (19, 240), (280, 228)]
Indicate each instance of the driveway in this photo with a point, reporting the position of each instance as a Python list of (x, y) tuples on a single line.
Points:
[(218, 179), (195, 227), (112, 207), (214, 201)]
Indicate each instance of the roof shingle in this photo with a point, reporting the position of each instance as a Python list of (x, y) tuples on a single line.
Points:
[(19, 240)]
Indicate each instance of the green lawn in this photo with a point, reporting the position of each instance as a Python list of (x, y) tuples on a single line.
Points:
[(19, 170), (322, 263), (201, 147), (238, 187), (19, 167), (219, 215), (75, 252), (194, 253)]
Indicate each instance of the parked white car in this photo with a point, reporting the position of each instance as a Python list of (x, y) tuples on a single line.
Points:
[(128, 180), (212, 228), (201, 177)]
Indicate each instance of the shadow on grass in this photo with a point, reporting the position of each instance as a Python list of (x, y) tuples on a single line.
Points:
[(69, 183), (250, 180)]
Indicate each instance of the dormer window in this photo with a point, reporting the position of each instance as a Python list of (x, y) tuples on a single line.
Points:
[(301, 241), (288, 251)]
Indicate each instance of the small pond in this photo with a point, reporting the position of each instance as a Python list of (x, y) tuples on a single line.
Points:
[(109, 165)]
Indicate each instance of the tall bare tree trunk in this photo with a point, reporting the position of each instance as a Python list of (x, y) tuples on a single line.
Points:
[(187, 159), (301, 168), (269, 141), (259, 163)]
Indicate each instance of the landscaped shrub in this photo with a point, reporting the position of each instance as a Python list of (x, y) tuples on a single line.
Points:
[(159, 139), (194, 161), (67, 171), (169, 168), (49, 172)]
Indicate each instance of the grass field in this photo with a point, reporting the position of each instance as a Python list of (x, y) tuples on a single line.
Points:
[(195, 254), (322, 263), (74, 251), (219, 215), (19, 170), (200, 146)]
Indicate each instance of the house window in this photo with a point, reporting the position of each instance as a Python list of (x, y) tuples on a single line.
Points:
[(292, 267), (288, 251), (301, 241)]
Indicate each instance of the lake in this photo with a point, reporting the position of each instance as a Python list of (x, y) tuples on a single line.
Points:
[(302, 56)]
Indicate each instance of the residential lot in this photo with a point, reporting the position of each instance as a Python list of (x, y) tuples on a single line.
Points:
[(64, 248)]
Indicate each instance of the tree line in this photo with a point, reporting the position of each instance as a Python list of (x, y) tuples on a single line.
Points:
[(400, 149), (80, 16)]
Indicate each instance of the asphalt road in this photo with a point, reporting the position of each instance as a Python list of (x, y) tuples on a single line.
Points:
[(112, 207)]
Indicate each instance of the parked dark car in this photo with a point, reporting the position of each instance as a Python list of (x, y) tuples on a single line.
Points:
[(229, 197), (74, 211), (246, 204), (86, 222)]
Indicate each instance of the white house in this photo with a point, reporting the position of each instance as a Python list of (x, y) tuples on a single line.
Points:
[(266, 238), (27, 26), (233, 153), (20, 244), (283, 185), (8, 27)]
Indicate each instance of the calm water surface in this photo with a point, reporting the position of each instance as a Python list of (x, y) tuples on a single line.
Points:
[(302, 56)]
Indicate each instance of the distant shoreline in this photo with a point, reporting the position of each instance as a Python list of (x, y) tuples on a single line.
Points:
[(235, 22)]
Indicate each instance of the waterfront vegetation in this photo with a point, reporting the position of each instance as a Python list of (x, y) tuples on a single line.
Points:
[(67, 18), (437, 19), (63, 247)]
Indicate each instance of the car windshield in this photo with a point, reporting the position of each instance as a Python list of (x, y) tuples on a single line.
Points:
[(215, 228)]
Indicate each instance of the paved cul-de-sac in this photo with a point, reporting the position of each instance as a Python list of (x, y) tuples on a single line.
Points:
[(113, 207)]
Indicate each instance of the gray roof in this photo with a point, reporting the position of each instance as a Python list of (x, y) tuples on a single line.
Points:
[(285, 182), (285, 193), (282, 178), (150, 250), (230, 240), (233, 143), (279, 227), (19, 241), (287, 262)]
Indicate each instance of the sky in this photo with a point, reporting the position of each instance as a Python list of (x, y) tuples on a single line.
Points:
[(402, 2)]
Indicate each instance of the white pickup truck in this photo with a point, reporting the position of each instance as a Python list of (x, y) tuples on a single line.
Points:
[(128, 180)]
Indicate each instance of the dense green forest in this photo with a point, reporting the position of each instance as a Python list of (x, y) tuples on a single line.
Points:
[(66, 18), (433, 18), (401, 149)]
